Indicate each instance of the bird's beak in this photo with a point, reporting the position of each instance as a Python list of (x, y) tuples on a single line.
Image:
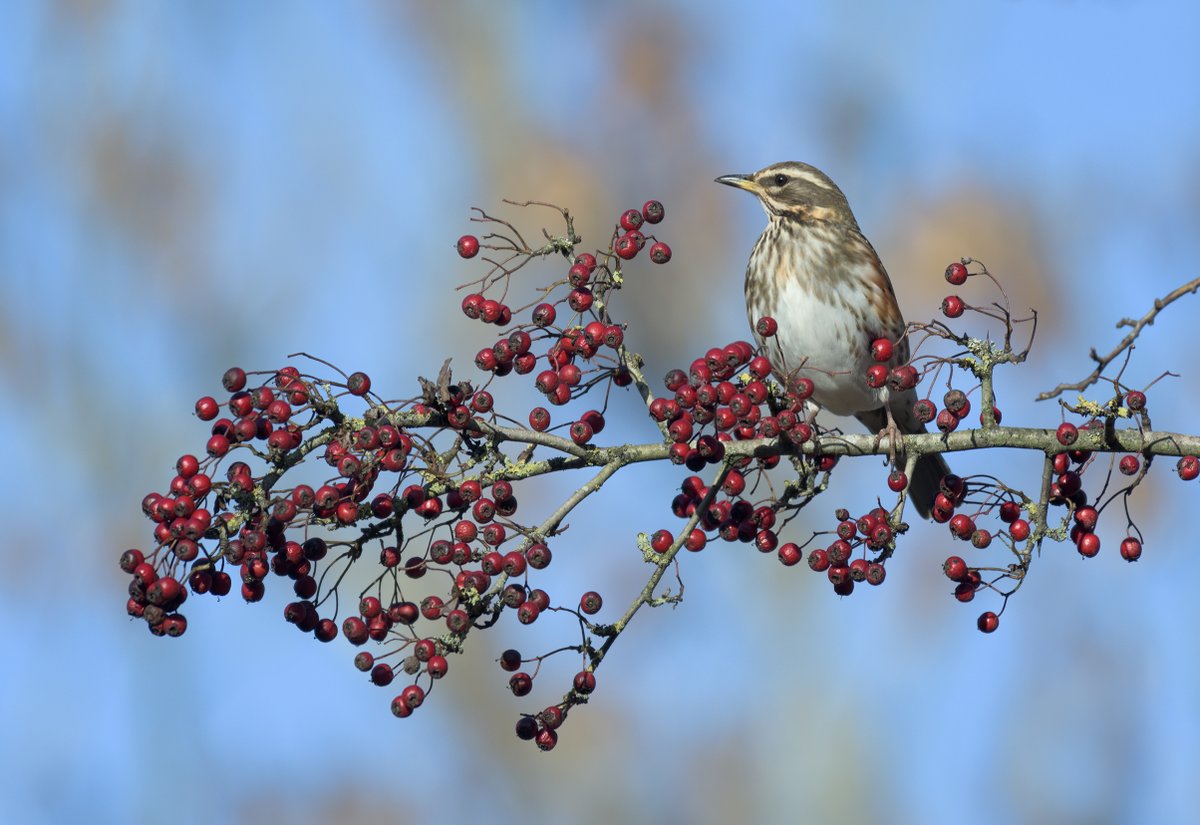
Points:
[(740, 181)]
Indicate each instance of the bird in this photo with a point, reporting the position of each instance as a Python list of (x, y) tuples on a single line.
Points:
[(814, 272)]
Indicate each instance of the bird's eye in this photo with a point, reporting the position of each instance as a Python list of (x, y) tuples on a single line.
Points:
[(781, 179)]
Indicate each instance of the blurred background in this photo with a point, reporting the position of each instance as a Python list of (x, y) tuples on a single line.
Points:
[(184, 187)]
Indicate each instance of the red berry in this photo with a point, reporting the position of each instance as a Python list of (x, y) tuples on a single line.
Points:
[(580, 299), (818, 560), (546, 739), (995, 415), (468, 246), (1086, 518), (956, 274), (1019, 529), (1009, 511), (1188, 467), (766, 326), (988, 622), (955, 568), (661, 541), (660, 253), (207, 408), (631, 219), (538, 556), (539, 419), (520, 683), (590, 602), (653, 211), (876, 573), (581, 432), (358, 383), (585, 681), (1129, 465), (952, 306), (1067, 433), (897, 481), (234, 379), (904, 377), (1088, 545), (1131, 549), (626, 247), (877, 376), (925, 410), (790, 554), (881, 349), (947, 421), (1136, 400), (962, 526), (510, 660)]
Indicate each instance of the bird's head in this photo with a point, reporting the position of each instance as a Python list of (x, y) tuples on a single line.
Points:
[(795, 190)]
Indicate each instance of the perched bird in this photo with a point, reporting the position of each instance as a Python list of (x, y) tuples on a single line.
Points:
[(814, 272)]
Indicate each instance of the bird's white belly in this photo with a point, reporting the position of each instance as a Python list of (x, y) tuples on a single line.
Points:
[(822, 341)]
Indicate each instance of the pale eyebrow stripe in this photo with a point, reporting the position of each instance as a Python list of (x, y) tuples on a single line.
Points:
[(811, 178)]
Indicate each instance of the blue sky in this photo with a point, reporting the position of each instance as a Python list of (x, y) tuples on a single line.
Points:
[(187, 187)]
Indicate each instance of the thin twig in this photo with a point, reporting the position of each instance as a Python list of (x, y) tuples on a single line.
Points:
[(1126, 342)]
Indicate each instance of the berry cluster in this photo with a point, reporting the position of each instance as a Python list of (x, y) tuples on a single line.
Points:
[(421, 482), (418, 497)]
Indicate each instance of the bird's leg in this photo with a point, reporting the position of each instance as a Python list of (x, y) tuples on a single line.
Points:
[(893, 434)]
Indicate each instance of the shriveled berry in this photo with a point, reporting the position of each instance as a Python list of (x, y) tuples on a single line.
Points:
[(653, 211), (660, 253)]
